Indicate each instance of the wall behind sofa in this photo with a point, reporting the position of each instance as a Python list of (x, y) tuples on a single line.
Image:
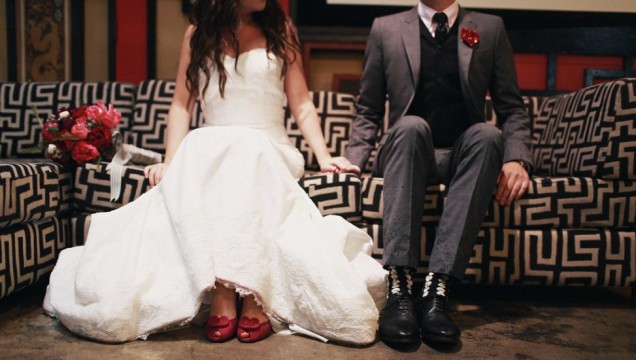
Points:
[(333, 41)]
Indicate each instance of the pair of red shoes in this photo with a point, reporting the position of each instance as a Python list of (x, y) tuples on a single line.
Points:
[(226, 328)]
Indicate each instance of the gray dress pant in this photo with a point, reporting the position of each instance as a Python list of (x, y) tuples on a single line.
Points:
[(408, 162)]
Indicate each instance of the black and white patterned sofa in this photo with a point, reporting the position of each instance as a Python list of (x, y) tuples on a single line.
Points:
[(36, 195), (574, 227), (577, 223)]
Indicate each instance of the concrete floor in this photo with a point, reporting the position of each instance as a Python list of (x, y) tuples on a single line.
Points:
[(497, 322)]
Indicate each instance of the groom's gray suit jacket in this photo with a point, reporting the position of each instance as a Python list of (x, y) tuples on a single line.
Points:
[(392, 68)]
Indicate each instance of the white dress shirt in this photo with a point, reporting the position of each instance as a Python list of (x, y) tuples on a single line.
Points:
[(426, 14)]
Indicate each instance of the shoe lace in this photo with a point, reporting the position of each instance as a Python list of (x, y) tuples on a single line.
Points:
[(397, 287), (403, 304), (439, 303), (440, 289)]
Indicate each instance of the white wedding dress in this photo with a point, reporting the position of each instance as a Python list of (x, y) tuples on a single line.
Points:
[(228, 209)]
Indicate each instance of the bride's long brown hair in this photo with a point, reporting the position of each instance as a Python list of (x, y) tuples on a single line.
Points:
[(213, 18)]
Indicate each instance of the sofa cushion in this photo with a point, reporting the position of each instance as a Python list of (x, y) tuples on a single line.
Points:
[(29, 251), (332, 193), (336, 112), (590, 132), (373, 202), (335, 194), (568, 202), (592, 257), (549, 203), (33, 190), (80, 223), (148, 128), (92, 187), (21, 134)]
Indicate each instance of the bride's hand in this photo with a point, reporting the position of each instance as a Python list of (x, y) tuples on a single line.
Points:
[(154, 173), (339, 165)]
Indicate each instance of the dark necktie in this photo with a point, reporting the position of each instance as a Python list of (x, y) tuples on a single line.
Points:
[(441, 31)]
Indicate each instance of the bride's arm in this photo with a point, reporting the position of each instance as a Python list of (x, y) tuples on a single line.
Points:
[(178, 115), (304, 111)]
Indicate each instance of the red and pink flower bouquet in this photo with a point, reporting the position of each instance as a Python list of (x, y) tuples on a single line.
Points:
[(82, 134)]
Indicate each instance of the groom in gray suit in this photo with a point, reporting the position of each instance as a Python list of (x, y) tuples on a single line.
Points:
[(435, 64)]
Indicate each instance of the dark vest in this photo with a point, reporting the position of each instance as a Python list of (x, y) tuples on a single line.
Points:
[(438, 97)]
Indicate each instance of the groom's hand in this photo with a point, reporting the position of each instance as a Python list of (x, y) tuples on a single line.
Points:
[(512, 183)]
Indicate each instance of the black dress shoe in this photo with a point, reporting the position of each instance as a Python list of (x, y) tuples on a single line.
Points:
[(398, 319), (436, 324)]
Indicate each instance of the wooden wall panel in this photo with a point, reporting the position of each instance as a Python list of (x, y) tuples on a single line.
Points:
[(96, 40)]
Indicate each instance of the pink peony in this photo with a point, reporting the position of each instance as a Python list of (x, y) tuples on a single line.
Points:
[(101, 114), (79, 130)]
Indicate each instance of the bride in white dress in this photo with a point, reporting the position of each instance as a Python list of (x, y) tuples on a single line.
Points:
[(227, 215)]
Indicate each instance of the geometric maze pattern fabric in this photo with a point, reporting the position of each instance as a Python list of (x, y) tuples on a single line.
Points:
[(79, 224), (33, 190), (335, 111), (590, 132), (560, 202), (373, 202), (590, 257), (569, 202), (152, 103), (335, 194), (28, 251), (92, 187), (20, 133)]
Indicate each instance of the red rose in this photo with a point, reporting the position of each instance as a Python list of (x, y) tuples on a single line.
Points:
[(470, 37), (101, 138), (83, 152), (80, 112), (50, 131)]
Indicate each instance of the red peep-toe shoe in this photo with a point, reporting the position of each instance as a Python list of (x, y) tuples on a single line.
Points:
[(224, 326), (256, 330)]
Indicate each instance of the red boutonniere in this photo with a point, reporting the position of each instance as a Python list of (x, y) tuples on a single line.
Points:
[(470, 37)]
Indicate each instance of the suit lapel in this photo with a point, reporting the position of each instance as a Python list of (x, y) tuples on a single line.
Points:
[(465, 53), (411, 41)]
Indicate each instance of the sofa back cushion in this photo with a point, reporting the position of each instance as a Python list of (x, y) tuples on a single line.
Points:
[(590, 132), (153, 99), (336, 112), (20, 133), (148, 128)]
